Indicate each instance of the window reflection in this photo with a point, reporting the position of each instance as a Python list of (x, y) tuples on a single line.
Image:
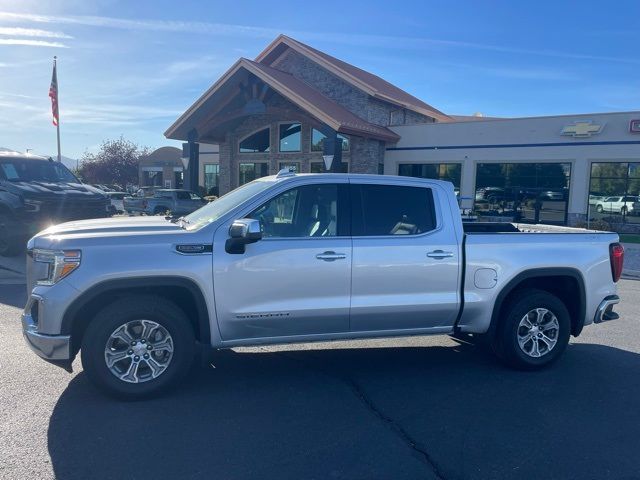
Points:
[(251, 171), (451, 172), (613, 192), (257, 142), (523, 192), (317, 141), (290, 137)]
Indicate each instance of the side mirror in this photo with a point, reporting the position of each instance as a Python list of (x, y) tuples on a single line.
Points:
[(243, 232)]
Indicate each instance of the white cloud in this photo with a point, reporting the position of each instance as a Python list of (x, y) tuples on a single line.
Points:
[(31, 43), (31, 32), (221, 29)]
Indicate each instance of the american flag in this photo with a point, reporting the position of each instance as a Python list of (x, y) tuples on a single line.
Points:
[(53, 94)]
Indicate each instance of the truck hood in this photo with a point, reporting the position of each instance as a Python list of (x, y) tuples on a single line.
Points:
[(111, 227), (52, 190)]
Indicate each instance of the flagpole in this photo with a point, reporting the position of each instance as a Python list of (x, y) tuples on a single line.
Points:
[(58, 107)]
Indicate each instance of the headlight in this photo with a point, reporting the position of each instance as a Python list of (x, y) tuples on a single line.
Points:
[(59, 264)]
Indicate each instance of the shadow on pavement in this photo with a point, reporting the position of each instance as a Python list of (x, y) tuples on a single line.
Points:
[(14, 295), (433, 412)]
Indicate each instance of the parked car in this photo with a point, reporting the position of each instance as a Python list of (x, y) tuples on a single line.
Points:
[(36, 192), (617, 204), (117, 204), (299, 258), (178, 202)]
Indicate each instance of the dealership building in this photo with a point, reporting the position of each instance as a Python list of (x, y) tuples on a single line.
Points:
[(299, 108)]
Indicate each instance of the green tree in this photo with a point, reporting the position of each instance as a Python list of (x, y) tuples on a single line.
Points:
[(115, 163)]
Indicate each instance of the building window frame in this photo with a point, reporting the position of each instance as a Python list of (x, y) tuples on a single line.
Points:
[(254, 164), (216, 175), (243, 138), (292, 122), (345, 137)]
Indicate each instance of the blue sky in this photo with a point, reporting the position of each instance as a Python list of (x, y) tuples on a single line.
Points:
[(131, 67)]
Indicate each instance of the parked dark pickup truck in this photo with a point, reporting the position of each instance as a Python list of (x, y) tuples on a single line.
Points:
[(36, 192)]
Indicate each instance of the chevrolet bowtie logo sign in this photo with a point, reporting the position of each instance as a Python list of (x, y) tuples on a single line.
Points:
[(581, 129)]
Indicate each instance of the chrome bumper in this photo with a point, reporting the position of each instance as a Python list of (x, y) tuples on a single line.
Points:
[(605, 312), (50, 347)]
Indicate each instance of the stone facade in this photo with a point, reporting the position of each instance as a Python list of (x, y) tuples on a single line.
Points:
[(365, 155), (231, 158)]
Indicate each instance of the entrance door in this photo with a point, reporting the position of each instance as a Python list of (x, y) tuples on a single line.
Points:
[(297, 279), (405, 260)]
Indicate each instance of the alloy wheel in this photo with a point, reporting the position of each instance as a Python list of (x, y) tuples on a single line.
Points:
[(139, 351), (538, 332)]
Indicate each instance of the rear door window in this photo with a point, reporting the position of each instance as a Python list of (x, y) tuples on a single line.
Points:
[(381, 210)]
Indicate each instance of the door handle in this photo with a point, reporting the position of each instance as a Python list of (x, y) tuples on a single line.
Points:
[(330, 256), (439, 254)]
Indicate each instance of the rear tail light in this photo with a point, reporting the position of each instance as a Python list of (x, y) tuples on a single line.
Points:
[(616, 255)]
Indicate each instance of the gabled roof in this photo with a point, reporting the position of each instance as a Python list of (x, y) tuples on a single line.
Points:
[(297, 92), (366, 81)]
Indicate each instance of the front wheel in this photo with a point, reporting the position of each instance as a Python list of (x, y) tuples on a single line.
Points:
[(137, 347), (599, 208), (534, 330)]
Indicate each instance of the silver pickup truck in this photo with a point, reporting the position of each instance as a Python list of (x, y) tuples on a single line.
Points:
[(301, 258)]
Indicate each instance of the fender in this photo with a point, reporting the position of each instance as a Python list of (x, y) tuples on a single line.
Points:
[(202, 312), (578, 322)]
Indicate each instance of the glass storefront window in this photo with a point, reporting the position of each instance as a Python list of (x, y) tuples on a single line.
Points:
[(258, 142), (250, 171), (290, 137), (451, 172), (317, 140), (211, 179), (523, 192), (614, 190)]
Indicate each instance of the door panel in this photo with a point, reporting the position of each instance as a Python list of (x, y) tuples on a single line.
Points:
[(405, 269), (280, 288), (297, 279)]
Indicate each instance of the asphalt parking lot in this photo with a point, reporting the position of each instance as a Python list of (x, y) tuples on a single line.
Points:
[(390, 409)]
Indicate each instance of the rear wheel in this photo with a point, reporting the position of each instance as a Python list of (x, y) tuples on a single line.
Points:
[(599, 208), (137, 347), (534, 330)]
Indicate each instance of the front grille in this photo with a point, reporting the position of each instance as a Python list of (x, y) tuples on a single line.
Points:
[(73, 209)]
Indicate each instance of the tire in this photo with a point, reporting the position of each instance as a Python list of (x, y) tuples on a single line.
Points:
[(10, 246), (513, 329), (623, 211), (599, 208), (124, 380), (160, 211)]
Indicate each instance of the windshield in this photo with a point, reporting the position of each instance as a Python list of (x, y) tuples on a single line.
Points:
[(23, 170), (216, 209)]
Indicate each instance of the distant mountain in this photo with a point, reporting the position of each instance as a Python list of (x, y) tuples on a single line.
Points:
[(70, 163)]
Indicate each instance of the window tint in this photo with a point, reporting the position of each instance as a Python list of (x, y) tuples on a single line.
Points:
[(256, 142), (392, 210), (290, 137), (307, 211)]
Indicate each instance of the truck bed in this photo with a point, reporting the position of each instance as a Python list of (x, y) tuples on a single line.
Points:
[(504, 227)]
